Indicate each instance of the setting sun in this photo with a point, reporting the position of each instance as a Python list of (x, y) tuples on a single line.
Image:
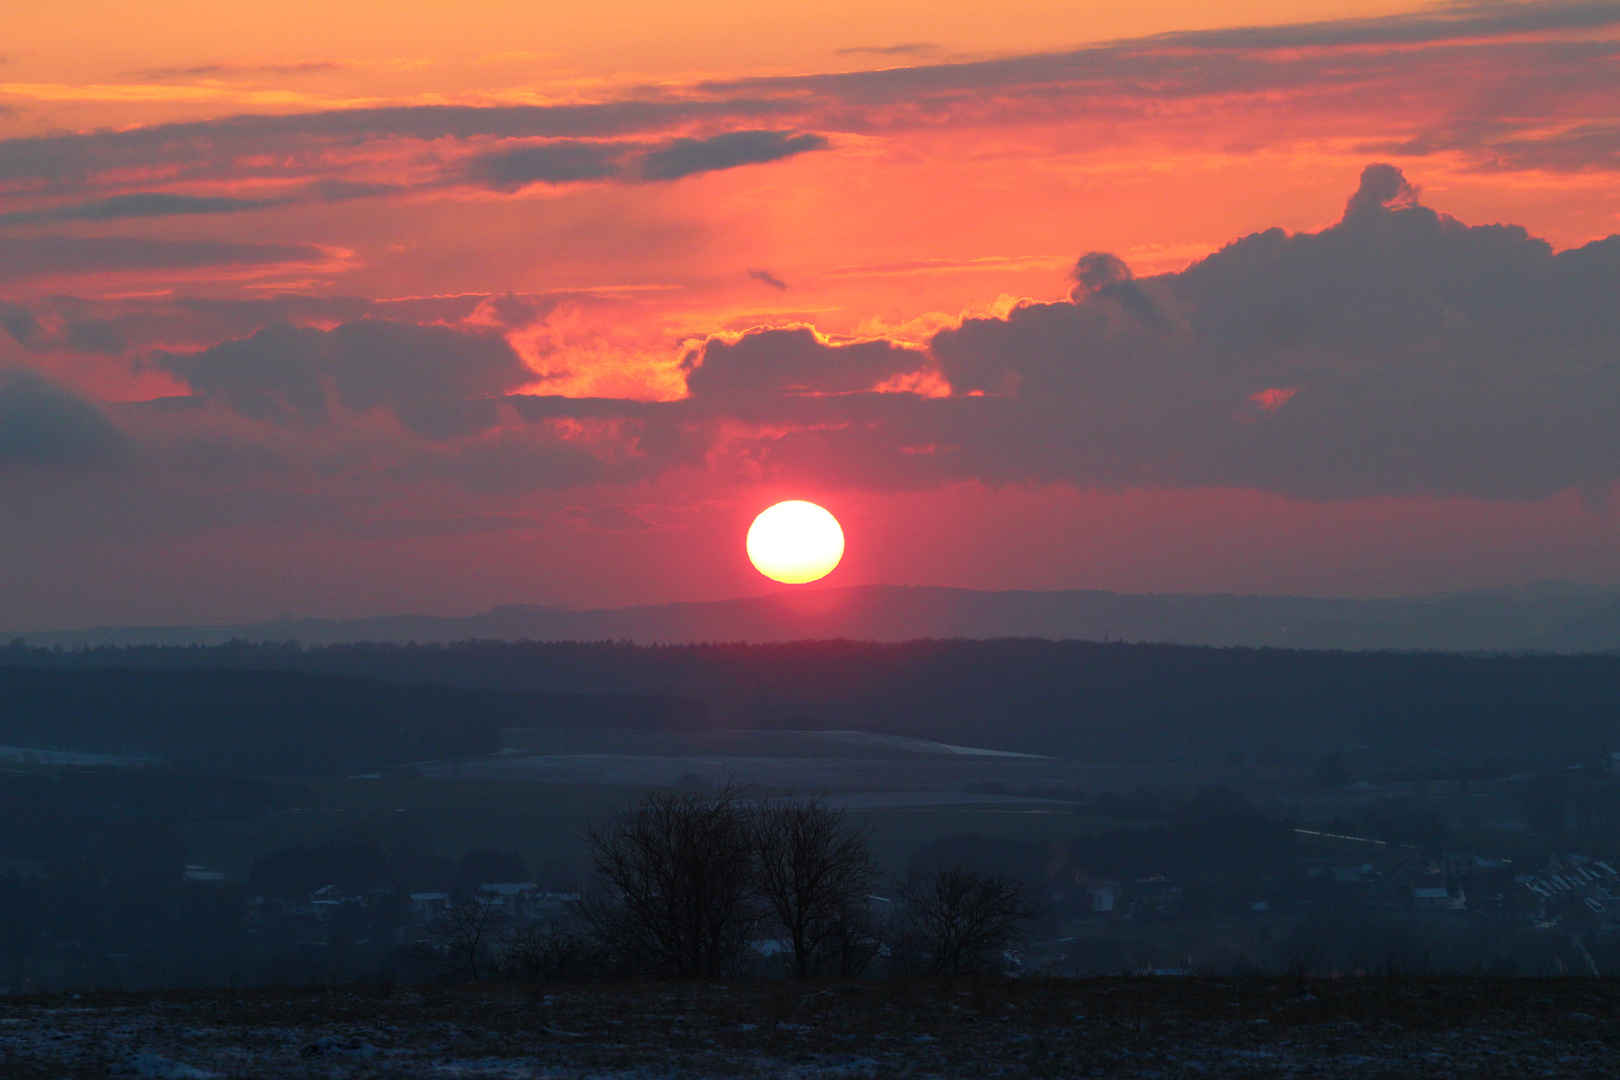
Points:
[(795, 542)]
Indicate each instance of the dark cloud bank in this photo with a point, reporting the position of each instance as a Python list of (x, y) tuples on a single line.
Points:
[(43, 425), (287, 374), (1398, 352), (69, 166), (573, 160)]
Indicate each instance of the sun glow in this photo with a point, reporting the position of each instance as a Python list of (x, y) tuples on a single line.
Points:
[(795, 542)]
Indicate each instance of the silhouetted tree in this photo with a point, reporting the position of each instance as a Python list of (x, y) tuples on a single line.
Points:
[(460, 939), (959, 921), (815, 869), (546, 952), (674, 885)]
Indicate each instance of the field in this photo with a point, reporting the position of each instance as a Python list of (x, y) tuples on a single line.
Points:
[(442, 817), (537, 795), (823, 774), (545, 822), (910, 795), (1145, 1027)]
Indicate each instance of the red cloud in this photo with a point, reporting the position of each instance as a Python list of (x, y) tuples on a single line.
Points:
[(1273, 398)]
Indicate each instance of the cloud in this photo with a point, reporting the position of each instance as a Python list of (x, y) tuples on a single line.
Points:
[(139, 204), (904, 48), (562, 162), (511, 461), (768, 278), (216, 71), (1397, 352), (21, 323), (1382, 187), (1514, 144), (793, 361), (613, 518), (1099, 275), (566, 161), (181, 324), (982, 264), (43, 330), (438, 380), (235, 146), (689, 157), (1495, 86), (41, 424), (52, 256)]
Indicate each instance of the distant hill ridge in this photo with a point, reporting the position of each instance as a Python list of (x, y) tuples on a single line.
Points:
[(1548, 616), (1086, 701)]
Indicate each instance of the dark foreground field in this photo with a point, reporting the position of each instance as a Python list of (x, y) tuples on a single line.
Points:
[(1158, 1027)]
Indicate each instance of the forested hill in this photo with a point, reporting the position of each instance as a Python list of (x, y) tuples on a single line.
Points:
[(1082, 700), (290, 723)]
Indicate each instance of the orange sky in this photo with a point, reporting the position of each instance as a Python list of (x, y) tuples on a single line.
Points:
[(602, 189), (109, 53)]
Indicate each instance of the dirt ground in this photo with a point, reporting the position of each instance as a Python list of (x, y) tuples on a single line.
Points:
[(1146, 1027)]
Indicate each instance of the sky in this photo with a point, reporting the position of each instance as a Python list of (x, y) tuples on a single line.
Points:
[(355, 308)]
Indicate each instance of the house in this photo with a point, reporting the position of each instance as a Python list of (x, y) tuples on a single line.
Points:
[(426, 906), (550, 903), (1156, 893), (1437, 898), (1431, 892), (327, 899), (509, 897), (1461, 864)]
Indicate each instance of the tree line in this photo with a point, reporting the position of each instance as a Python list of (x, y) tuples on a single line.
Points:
[(285, 723), (703, 886)]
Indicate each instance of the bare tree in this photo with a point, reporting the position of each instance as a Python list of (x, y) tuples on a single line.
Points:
[(855, 941), (958, 920), (814, 869), (545, 952), (459, 939), (674, 885)]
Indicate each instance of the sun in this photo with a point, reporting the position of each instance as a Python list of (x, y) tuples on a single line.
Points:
[(795, 542)]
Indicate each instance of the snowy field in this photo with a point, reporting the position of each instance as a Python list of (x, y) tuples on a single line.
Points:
[(1145, 1027), (29, 755)]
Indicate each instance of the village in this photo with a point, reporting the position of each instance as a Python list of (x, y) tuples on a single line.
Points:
[(1563, 913)]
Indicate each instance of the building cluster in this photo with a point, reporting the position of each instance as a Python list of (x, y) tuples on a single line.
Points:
[(410, 916), (1569, 886), (1576, 892), (514, 899)]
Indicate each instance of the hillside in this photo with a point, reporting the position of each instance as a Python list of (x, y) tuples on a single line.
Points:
[(1086, 701), (281, 722), (1552, 617)]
